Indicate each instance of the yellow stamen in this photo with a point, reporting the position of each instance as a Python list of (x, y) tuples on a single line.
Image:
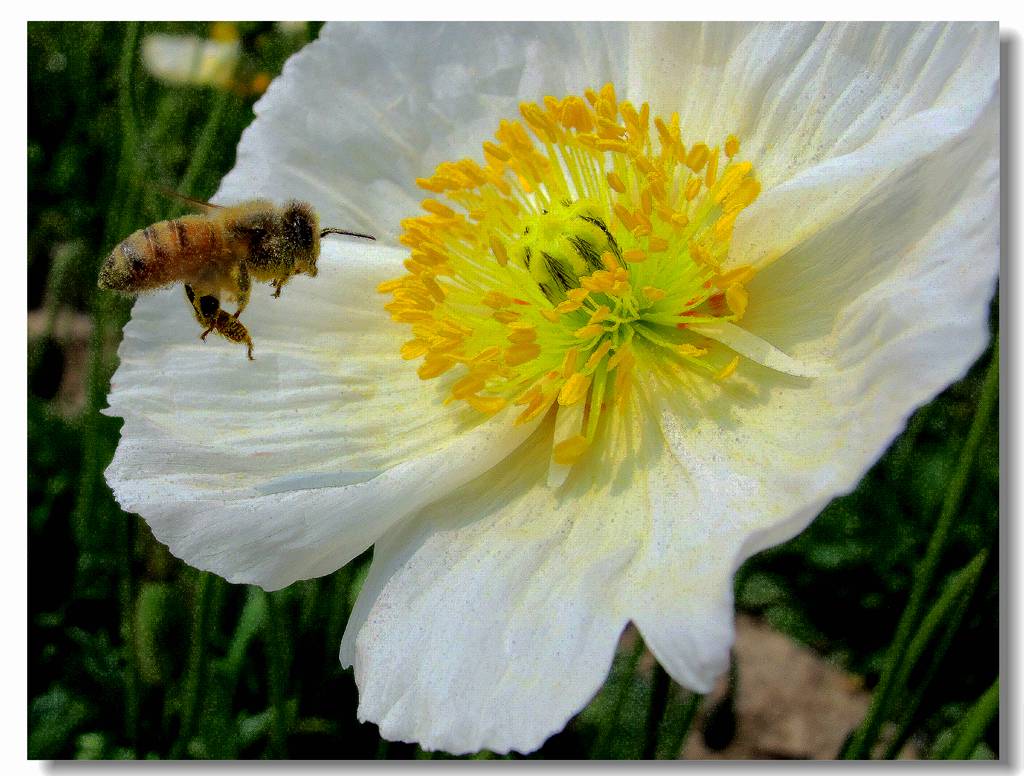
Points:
[(728, 369), (569, 451), (574, 389)]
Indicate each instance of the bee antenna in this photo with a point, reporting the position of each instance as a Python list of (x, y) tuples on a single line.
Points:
[(331, 230)]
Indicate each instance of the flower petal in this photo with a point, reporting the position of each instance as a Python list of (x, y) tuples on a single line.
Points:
[(288, 466), (828, 114), (491, 619), (362, 112), (767, 455)]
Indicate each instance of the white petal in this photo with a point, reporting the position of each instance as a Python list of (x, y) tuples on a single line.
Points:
[(768, 454), (288, 466), (827, 114), (362, 112), (491, 619)]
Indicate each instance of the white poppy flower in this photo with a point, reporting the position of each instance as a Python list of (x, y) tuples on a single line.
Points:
[(189, 59), (545, 488)]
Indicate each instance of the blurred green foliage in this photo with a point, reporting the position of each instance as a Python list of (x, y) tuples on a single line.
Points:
[(134, 655)]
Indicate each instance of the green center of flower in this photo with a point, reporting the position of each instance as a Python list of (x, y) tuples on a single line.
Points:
[(583, 250)]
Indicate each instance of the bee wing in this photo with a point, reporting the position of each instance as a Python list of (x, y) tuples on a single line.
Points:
[(196, 203)]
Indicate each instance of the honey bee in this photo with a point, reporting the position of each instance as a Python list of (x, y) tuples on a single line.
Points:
[(218, 254)]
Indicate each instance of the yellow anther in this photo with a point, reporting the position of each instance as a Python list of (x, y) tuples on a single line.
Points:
[(657, 244), (600, 352), (701, 255), (745, 193), (679, 220), (576, 115), (390, 285), (577, 294), (740, 274), (431, 184), (731, 179), (609, 261), (437, 208), (634, 255), (568, 306), (496, 299), (691, 351), (487, 404), (414, 349), (693, 188), (712, 171), (569, 362), (505, 316), (538, 405), (575, 388), (609, 129), (522, 336), (588, 331), (732, 146), (621, 355), (624, 216), (433, 288), (496, 151), (432, 367), (520, 354), (697, 157), (616, 182), (619, 288), (600, 314), (467, 385), (645, 201), (487, 354), (550, 315), (619, 146), (728, 369), (653, 294), (736, 298), (527, 396), (569, 451)]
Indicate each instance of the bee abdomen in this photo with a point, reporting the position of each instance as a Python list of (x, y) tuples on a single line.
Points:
[(162, 254)]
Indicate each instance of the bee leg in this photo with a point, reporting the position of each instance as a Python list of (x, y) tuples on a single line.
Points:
[(278, 284), (229, 327), (209, 314), (244, 283), (206, 309)]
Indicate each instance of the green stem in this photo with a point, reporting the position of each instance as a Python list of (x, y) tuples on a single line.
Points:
[(206, 143), (978, 719), (625, 683), (196, 672), (278, 675), (956, 597), (863, 739), (661, 684)]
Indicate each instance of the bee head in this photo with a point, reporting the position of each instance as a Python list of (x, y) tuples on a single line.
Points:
[(302, 232)]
